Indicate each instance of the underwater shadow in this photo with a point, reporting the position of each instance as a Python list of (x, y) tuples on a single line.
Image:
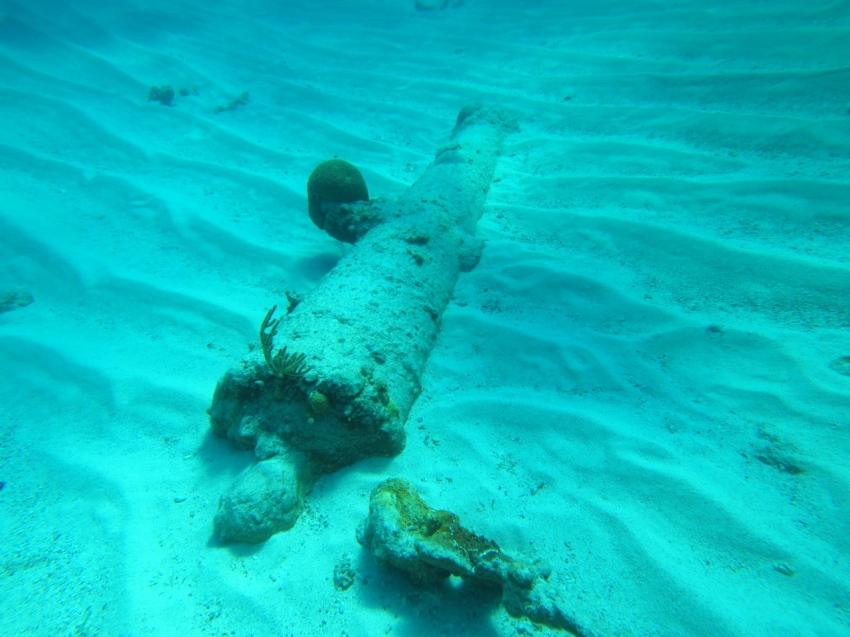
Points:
[(453, 606), (234, 548), (220, 457), (315, 267)]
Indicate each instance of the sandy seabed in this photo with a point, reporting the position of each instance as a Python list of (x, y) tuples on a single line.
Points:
[(645, 382)]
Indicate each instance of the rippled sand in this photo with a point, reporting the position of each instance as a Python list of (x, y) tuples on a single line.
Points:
[(645, 382)]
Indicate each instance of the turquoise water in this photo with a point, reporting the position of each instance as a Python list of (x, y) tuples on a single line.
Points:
[(644, 382)]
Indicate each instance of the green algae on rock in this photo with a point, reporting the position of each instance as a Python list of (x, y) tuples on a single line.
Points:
[(430, 545)]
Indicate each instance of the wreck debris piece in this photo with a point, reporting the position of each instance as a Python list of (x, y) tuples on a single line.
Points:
[(236, 103), (166, 94), (433, 5), (162, 94), (841, 365), (356, 345), (429, 545), (14, 299)]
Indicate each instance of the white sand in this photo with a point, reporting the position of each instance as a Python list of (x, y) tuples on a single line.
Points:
[(624, 387)]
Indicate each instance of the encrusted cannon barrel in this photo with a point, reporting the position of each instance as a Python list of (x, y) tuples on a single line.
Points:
[(341, 367)]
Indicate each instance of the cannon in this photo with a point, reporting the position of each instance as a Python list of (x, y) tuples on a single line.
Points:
[(338, 371)]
